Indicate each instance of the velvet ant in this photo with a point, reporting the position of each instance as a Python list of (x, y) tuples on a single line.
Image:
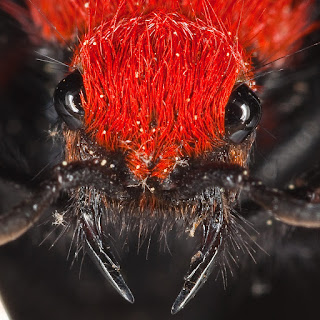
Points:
[(158, 114)]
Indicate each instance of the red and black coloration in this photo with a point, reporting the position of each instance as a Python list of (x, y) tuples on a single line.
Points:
[(160, 113)]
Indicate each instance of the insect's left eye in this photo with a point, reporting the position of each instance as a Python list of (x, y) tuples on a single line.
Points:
[(67, 100), (242, 114)]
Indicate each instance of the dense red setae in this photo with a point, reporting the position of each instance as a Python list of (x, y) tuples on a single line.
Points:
[(158, 74), (156, 87), (157, 81), (270, 27)]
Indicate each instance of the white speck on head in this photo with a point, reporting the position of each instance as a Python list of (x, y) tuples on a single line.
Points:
[(245, 172), (291, 186), (58, 219), (35, 207), (60, 178), (104, 132), (53, 133), (192, 232), (138, 167), (103, 162), (269, 222), (64, 163), (112, 166), (101, 95), (178, 54), (181, 162), (86, 5), (91, 152)]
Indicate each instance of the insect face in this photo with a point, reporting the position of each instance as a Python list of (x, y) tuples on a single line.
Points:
[(157, 107), (158, 104), (159, 116)]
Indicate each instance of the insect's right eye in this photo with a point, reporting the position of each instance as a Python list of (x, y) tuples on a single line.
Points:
[(67, 100), (242, 114)]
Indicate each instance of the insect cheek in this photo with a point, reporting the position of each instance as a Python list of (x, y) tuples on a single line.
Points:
[(68, 102), (238, 154)]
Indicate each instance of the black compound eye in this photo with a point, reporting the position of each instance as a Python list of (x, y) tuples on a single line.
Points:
[(242, 114), (67, 100)]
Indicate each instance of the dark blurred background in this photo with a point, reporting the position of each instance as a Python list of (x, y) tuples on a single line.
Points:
[(38, 281)]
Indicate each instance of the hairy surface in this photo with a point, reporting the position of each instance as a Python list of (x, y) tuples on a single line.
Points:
[(278, 24), (156, 79), (156, 87), (158, 74)]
